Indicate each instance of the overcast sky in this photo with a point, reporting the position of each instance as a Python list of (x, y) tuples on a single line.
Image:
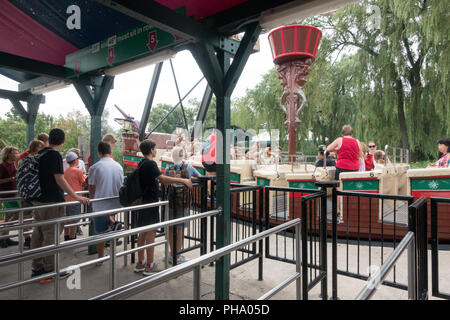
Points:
[(131, 88)]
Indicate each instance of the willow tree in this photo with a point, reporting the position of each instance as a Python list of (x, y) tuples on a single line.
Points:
[(402, 60)]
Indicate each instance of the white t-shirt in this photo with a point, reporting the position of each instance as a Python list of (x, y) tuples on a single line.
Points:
[(107, 177)]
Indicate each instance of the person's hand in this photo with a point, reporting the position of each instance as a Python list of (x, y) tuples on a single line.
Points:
[(188, 184), (83, 200)]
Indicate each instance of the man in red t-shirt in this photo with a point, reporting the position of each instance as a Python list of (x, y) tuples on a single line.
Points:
[(76, 180)]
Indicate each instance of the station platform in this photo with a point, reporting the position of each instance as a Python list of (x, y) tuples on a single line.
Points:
[(244, 284)]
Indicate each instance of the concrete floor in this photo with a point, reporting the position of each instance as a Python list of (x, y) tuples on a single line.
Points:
[(244, 284)]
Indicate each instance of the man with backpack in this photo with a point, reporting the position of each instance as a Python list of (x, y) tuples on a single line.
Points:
[(149, 175), (52, 187), (179, 199)]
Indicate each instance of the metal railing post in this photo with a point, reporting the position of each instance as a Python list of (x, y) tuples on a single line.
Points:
[(298, 262), (197, 283), (126, 222), (57, 291), (261, 228), (166, 236), (112, 262), (412, 276), (334, 245), (21, 269), (304, 250), (323, 247)]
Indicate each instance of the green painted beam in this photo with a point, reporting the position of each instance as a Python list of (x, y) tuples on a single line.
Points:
[(206, 59), (223, 223), (240, 59), (20, 96), (160, 16), (14, 62)]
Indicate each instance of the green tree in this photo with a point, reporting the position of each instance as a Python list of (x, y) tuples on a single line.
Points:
[(401, 69)]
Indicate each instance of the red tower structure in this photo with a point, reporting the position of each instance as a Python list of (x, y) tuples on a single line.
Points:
[(294, 49)]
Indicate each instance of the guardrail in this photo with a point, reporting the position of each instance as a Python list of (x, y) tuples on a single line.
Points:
[(57, 248), (376, 279), (195, 266), (434, 214), (17, 198)]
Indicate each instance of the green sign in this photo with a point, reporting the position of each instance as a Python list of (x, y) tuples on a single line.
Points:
[(303, 184), (361, 185), (262, 182), (235, 177), (131, 44), (431, 184)]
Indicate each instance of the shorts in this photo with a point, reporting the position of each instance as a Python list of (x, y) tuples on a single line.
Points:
[(147, 217), (11, 205), (101, 224), (179, 213), (339, 170), (210, 167), (73, 210)]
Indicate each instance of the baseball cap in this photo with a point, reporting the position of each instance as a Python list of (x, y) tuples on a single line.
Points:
[(70, 156), (322, 148)]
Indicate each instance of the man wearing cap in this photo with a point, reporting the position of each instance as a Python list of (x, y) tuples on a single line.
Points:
[(320, 155), (76, 180)]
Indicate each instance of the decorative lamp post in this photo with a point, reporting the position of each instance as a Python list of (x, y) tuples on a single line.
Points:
[(294, 49)]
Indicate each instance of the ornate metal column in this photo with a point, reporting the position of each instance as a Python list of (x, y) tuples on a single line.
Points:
[(294, 49)]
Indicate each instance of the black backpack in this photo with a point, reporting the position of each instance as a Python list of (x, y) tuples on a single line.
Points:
[(28, 177), (131, 189)]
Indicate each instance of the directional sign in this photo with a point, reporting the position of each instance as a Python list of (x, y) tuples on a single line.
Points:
[(152, 40), (129, 45)]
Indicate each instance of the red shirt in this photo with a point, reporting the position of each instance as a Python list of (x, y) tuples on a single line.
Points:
[(369, 162), (7, 171), (75, 178), (209, 155), (24, 155), (348, 154)]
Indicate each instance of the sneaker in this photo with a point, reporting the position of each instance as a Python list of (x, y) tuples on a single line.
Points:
[(27, 243), (182, 259), (36, 273), (118, 243), (117, 226), (139, 267), (10, 242), (62, 275), (151, 269)]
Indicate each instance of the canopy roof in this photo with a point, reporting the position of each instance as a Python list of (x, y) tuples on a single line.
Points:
[(39, 30)]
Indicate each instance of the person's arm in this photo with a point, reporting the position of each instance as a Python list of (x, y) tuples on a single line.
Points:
[(333, 146), (62, 183), (7, 180), (169, 180), (91, 189)]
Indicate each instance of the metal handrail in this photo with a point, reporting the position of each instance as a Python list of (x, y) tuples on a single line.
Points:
[(376, 279), (100, 238), (57, 248), (20, 198), (62, 220), (195, 265)]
